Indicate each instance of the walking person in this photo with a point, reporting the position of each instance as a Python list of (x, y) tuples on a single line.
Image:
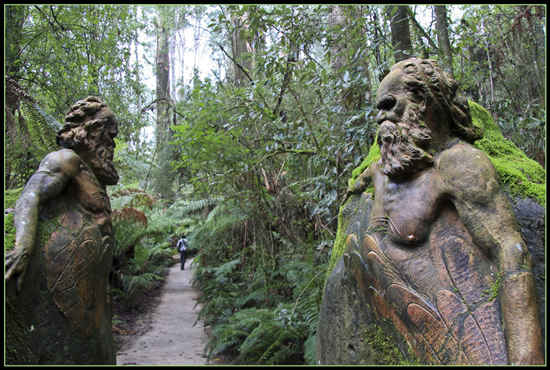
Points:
[(182, 249)]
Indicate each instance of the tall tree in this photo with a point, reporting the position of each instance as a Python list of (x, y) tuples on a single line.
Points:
[(443, 41), (400, 32), (241, 48), (163, 77), (15, 17)]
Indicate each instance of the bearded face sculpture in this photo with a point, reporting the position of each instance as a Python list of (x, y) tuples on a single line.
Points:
[(89, 130)]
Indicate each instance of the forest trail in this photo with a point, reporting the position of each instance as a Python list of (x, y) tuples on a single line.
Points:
[(171, 339)]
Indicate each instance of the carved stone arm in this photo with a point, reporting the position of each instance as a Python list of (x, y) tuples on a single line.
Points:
[(55, 170), (487, 213)]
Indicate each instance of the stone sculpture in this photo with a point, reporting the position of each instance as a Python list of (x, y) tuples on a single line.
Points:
[(57, 273), (434, 246)]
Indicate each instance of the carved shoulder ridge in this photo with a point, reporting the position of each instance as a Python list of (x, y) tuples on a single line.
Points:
[(64, 161), (468, 170)]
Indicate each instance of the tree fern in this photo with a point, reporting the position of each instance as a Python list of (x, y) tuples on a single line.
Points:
[(185, 207), (41, 126)]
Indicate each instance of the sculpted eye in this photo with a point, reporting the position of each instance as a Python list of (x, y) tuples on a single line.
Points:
[(386, 103)]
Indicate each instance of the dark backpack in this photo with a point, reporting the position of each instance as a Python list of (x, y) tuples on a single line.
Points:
[(181, 245)]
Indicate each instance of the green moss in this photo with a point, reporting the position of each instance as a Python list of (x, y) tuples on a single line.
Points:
[(384, 350), (10, 197), (373, 156), (340, 241), (521, 176), (9, 232), (495, 288)]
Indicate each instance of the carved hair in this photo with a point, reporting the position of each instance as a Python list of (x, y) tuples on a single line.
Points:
[(426, 76), (79, 121)]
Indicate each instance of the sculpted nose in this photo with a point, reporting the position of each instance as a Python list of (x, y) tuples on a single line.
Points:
[(380, 117)]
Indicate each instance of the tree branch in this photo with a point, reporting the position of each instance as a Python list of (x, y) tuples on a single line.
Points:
[(237, 64), (421, 30)]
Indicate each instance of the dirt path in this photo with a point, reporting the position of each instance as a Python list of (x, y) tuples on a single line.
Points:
[(171, 339)]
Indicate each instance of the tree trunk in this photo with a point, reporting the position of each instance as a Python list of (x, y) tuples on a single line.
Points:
[(444, 49), (163, 79), (240, 46), (342, 17), (336, 18), (400, 33), (14, 17)]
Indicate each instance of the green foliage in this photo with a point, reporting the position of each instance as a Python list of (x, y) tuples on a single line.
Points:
[(502, 65), (60, 54), (267, 336), (261, 299), (262, 320), (145, 269), (30, 131), (10, 197), (142, 244), (42, 127)]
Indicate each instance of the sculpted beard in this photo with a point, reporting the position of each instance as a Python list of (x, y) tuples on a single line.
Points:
[(102, 164), (401, 145)]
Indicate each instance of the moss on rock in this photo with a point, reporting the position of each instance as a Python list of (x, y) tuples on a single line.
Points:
[(384, 349), (521, 175)]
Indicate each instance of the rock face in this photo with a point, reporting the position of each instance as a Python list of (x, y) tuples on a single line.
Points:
[(340, 340), (63, 313), (531, 217)]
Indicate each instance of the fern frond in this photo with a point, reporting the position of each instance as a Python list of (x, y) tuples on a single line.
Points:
[(185, 207), (309, 350), (126, 234), (133, 284), (41, 126), (226, 268), (258, 295)]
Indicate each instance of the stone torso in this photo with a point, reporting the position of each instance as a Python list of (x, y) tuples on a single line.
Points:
[(79, 252), (404, 210), (424, 272), (93, 198)]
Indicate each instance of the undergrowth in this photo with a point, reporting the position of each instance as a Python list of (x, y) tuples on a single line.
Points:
[(261, 301)]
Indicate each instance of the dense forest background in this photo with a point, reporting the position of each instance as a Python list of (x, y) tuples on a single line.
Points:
[(239, 127)]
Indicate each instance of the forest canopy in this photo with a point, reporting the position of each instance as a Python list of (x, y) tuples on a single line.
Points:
[(240, 126)]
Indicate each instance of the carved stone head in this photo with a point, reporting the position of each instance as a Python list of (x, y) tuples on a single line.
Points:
[(89, 129), (419, 110)]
